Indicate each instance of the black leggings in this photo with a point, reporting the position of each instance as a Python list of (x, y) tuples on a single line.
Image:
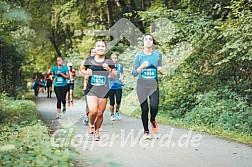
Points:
[(145, 90), (60, 92), (36, 89), (115, 93), (48, 85)]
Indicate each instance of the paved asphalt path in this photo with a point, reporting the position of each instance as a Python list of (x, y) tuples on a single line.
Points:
[(121, 143)]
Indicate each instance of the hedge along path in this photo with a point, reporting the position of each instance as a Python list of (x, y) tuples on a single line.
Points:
[(121, 142)]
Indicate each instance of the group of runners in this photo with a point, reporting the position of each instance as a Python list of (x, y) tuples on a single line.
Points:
[(43, 84), (103, 78)]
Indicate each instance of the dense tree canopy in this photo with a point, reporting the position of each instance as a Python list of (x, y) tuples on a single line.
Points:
[(212, 37)]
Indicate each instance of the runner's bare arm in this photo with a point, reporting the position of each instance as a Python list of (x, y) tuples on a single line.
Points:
[(113, 72), (122, 76), (67, 75)]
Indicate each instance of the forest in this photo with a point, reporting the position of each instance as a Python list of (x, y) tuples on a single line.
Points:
[(206, 47), (207, 62)]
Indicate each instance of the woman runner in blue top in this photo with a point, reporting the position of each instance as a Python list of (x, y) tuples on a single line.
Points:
[(147, 64), (97, 68), (115, 86), (60, 73)]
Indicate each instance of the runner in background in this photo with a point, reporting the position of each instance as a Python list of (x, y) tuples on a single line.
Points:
[(70, 83), (115, 92), (97, 68), (60, 73), (86, 120), (35, 86), (147, 64), (41, 85), (49, 79)]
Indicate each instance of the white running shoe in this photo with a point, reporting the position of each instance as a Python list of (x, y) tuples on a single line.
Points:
[(112, 118), (146, 136), (118, 115)]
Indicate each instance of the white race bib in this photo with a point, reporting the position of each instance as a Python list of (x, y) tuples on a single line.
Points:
[(98, 80), (149, 73), (59, 79)]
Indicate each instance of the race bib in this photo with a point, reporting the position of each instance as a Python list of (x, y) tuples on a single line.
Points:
[(98, 80), (59, 79), (149, 73)]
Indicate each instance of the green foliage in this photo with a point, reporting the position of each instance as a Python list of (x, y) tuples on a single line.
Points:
[(17, 111), (30, 146), (222, 109), (205, 45), (14, 42), (78, 87), (176, 96), (212, 86), (24, 141), (25, 94)]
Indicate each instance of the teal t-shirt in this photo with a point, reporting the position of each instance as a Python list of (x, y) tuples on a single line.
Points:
[(58, 79), (154, 61)]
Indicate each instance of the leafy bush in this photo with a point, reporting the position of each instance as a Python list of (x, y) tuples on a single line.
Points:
[(17, 111), (29, 95), (78, 87), (223, 109), (30, 146), (24, 140), (176, 96)]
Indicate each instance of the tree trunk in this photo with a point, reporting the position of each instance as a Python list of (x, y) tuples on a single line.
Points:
[(110, 13), (122, 6), (54, 43), (143, 5), (132, 6)]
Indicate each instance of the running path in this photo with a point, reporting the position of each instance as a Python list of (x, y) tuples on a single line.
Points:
[(121, 142)]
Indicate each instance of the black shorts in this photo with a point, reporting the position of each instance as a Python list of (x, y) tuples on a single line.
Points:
[(98, 91), (70, 86)]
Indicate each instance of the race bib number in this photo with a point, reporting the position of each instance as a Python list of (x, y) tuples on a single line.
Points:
[(98, 80), (149, 73), (59, 79)]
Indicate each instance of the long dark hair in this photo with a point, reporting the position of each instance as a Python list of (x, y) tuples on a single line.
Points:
[(149, 35)]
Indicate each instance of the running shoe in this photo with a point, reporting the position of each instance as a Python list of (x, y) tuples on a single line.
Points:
[(64, 110), (91, 129), (96, 136), (146, 136), (58, 116), (68, 104), (112, 118), (118, 115), (72, 103), (154, 126), (85, 121)]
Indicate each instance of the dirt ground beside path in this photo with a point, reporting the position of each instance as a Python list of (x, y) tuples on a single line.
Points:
[(121, 143)]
